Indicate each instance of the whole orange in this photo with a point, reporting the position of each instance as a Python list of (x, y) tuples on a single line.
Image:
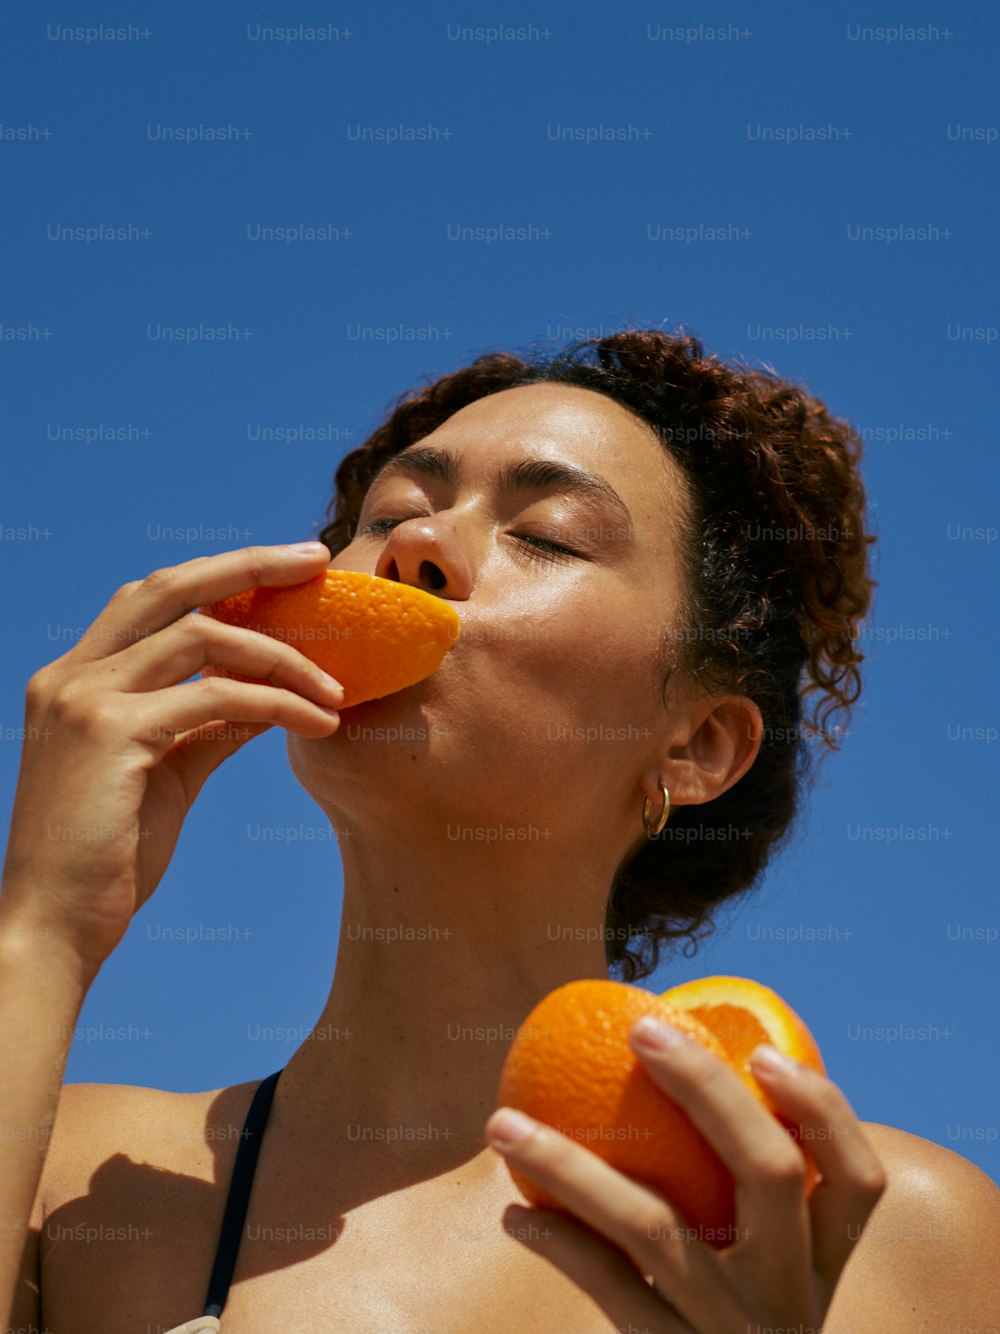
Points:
[(375, 636), (572, 1067)]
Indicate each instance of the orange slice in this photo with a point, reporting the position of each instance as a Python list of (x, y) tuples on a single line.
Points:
[(375, 636)]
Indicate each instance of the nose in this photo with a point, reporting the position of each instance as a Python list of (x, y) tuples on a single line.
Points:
[(425, 553)]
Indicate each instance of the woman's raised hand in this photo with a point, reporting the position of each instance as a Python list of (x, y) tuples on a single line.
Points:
[(117, 748)]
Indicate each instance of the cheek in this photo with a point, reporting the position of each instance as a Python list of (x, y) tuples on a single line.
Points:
[(572, 670), (615, 649)]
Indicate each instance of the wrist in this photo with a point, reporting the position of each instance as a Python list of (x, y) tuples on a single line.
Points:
[(38, 949)]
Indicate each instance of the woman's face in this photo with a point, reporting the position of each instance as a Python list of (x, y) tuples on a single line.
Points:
[(550, 701)]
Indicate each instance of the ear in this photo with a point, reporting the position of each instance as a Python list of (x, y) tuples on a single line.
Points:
[(724, 742)]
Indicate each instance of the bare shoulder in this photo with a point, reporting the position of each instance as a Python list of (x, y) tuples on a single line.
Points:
[(933, 1179), (928, 1254), (173, 1132), (924, 1163), (112, 1144)]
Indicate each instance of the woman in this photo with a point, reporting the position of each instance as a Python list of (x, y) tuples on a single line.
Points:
[(604, 524)]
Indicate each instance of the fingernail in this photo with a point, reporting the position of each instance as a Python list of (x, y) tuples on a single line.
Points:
[(772, 1061), (332, 683), (651, 1033), (507, 1127), (307, 548)]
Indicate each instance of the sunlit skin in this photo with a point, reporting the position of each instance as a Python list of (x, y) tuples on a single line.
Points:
[(416, 1029), (548, 646)]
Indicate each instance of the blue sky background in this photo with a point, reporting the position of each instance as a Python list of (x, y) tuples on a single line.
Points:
[(912, 361)]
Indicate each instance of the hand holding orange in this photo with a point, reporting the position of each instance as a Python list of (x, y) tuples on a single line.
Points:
[(375, 636), (572, 1067)]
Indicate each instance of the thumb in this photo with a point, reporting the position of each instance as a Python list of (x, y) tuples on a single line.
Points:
[(199, 752)]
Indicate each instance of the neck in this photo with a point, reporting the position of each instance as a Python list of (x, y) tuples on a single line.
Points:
[(443, 952)]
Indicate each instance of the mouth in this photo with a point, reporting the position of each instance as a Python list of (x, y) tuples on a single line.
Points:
[(406, 694)]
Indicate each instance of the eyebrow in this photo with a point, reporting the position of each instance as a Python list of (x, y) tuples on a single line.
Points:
[(533, 474)]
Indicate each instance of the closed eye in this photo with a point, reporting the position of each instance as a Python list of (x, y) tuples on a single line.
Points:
[(542, 549), (539, 548)]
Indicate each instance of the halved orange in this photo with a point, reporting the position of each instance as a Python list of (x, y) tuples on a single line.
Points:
[(572, 1067), (742, 1013), (375, 636)]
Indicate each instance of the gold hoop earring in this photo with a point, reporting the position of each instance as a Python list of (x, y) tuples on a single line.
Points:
[(653, 829)]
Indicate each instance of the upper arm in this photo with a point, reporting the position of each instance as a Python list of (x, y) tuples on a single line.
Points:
[(26, 1308), (927, 1258), (69, 1138)]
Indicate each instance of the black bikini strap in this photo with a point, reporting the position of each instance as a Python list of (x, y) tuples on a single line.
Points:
[(234, 1217)]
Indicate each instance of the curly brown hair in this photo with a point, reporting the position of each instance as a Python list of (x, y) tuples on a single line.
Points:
[(775, 559)]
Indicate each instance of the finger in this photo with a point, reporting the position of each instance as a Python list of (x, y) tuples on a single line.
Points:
[(147, 605), (159, 717), (633, 1216), (194, 642), (596, 1266), (853, 1175), (768, 1167)]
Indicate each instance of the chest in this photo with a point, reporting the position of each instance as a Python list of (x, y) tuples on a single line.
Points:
[(128, 1245), (133, 1256)]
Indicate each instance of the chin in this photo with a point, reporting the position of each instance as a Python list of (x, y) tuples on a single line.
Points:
[(400, 716), (399, 700)]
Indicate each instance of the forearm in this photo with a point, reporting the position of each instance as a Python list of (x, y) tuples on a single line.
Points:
[(42, 989)]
